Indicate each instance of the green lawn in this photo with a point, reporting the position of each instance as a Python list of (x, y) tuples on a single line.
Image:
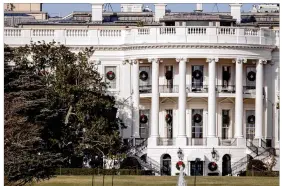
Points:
[(159, 181)]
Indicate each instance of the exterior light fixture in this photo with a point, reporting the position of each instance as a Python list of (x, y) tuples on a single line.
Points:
[(213, 152), (180, 154)]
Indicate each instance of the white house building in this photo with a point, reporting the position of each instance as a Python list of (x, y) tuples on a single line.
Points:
[(210, 90)]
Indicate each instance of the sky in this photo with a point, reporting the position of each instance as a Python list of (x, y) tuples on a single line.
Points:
[(60, 9)]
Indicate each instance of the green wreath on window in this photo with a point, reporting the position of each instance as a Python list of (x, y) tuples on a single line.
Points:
[(143, 119), (251, 119), (111, 75), (178, 164)]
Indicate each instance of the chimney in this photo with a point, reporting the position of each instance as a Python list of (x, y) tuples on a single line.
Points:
[(235, 10), (199, 7), (159, 11), (97, 12)]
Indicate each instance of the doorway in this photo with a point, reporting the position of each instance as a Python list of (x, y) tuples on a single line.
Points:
[(196, 168), (226, 165), (166, 165)]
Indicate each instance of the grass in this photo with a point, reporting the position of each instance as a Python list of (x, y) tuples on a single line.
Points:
[(159, 181)]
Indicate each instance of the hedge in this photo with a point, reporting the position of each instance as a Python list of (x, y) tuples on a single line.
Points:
[(89, 171), (263, 173)]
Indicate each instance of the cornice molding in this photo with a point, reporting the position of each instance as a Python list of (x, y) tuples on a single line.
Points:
[(173, 46)]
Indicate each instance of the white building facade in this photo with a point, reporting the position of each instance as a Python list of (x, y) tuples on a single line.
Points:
[(200, 89)]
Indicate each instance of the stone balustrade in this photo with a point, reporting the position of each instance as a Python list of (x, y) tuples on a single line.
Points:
[(144, 35)]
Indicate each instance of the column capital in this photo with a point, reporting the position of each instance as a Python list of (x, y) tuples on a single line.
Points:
[(239, 60), (262, 61), (215, 59), (154, 60), (178, 59), (131, 61)]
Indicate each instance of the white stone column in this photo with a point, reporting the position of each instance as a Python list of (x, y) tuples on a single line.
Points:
[(259, 99), (239, 101), (212, 139), (181, 136), (154, 123), (135, 98)]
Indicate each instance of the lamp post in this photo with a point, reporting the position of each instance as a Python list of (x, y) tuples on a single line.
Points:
[(213, 152), (180, 154)]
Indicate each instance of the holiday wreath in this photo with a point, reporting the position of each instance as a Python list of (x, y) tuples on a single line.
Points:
[(168, 118), (212, 166), (143, 119), (197, 118), (197, 74), (143, 75), (168, 75), (251, 119), (111, 75), (251, 76), (180, 163)]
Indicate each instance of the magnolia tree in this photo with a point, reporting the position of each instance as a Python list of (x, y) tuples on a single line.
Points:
[(270, 162), (60, 107)]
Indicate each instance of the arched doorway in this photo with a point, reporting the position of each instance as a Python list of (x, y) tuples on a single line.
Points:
[(166, 165), (226, 165)]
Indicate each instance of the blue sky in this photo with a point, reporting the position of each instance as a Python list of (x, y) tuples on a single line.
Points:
[(65, 9)]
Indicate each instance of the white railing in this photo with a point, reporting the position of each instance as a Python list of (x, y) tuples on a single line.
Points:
[(110, 33), (76, 33), (12, 32), (197, 31), (251, 32), (43, 32), (226, 31), (153, 35), (143, 31), (167, 30)]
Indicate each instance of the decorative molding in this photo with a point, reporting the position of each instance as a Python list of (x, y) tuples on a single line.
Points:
[(239, 60), (173, 46), (178, 59), (152, 60), (124, 62), (262, 61), (215, 59), (134, 61)]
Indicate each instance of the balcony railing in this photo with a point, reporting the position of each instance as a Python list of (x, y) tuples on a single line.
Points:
[(166, 141), (249, 89), (168, 88), (197, 88), (154, 35), (228, 142), (145, 89), (197, 141), (225, 88)]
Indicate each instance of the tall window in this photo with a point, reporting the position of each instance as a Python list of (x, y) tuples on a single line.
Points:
[(197, 123), (145, 79), (250, 124), (144, 125), (226, 75), (225, 124), (111, 76), (251, 77), (197, 76), (169, 121), (169, 79)]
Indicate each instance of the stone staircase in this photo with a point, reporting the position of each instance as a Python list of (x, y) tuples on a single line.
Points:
[(259, 153), (139, 149)]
